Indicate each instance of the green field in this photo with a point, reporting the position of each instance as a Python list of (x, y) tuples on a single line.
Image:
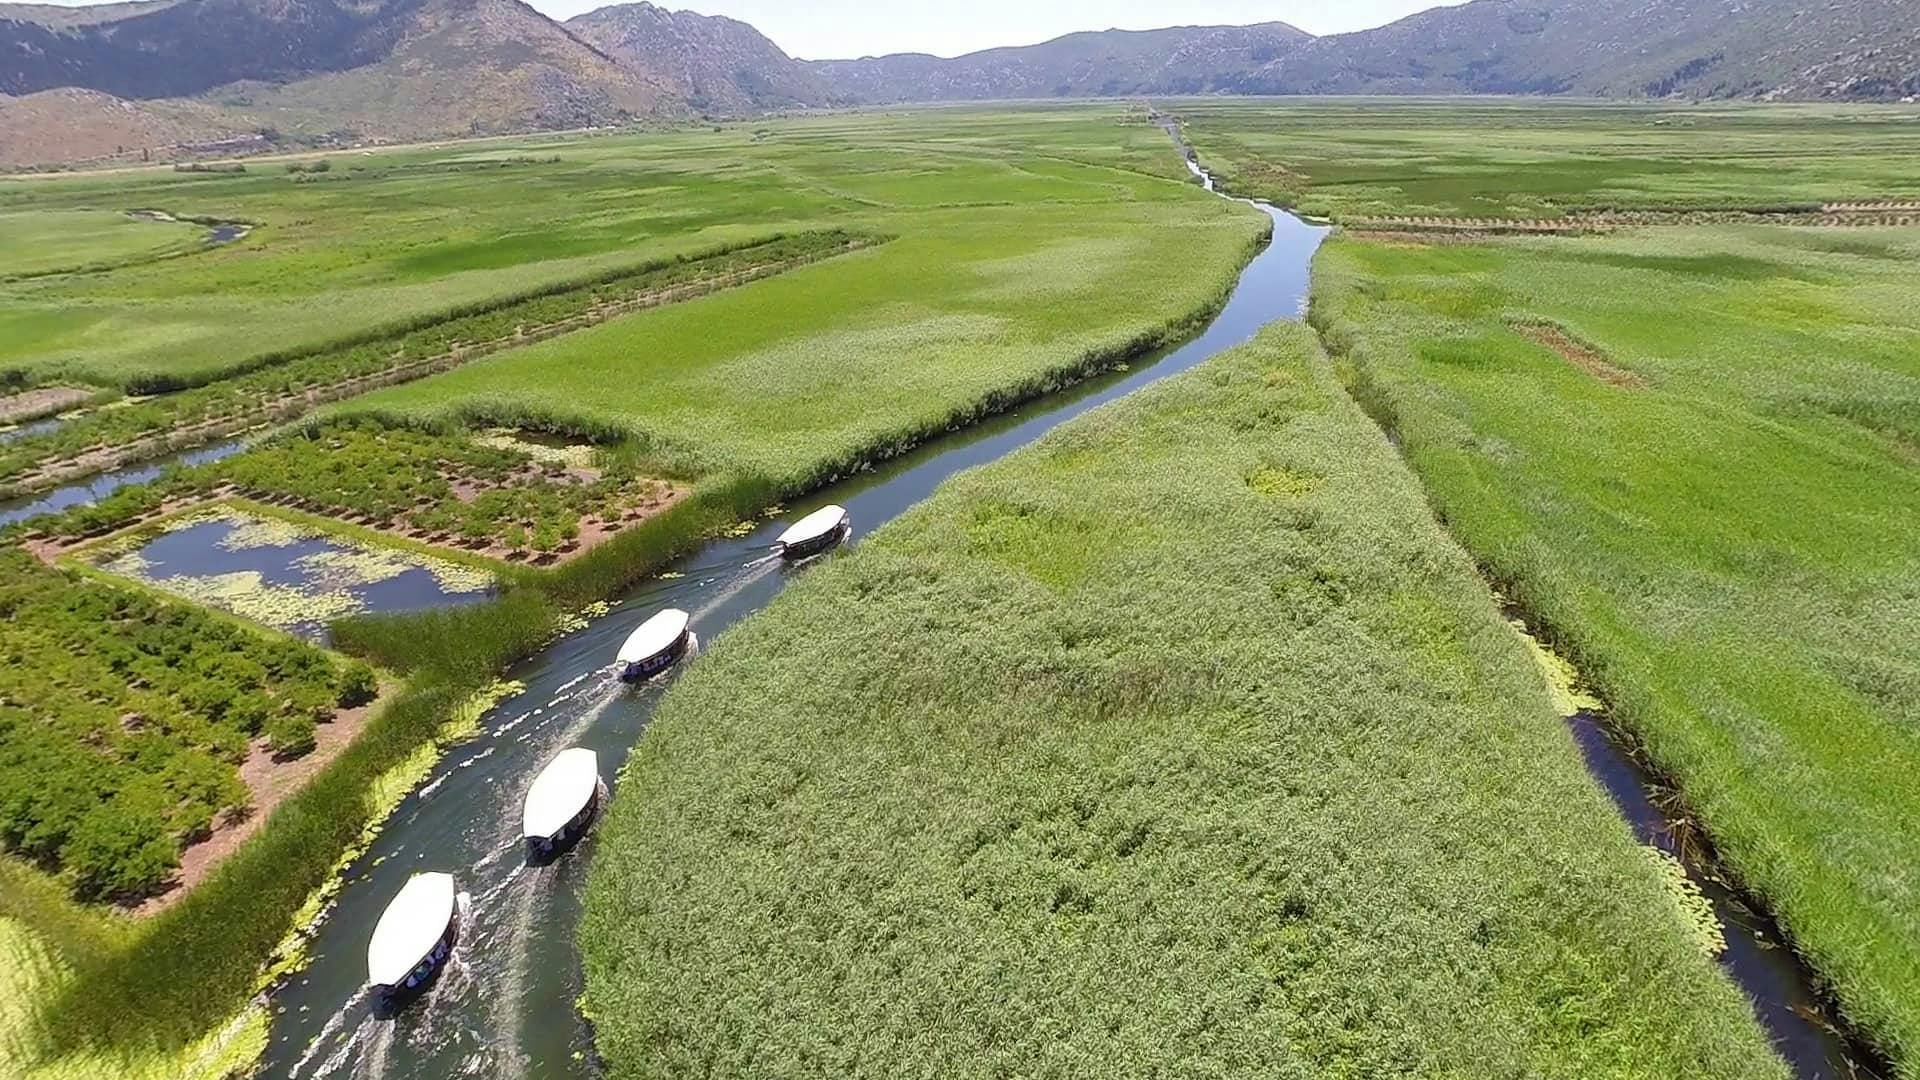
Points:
[(44, 241), (1725, 537), (796, 376), (1510, 158), (385, 239), (1184, 743)]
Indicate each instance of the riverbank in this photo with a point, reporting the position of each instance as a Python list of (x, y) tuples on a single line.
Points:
[(1056, 781)]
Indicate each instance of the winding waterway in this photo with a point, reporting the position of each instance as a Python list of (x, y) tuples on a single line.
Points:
[(507, 1006)]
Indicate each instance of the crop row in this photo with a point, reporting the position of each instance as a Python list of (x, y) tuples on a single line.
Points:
[(284, 387), (123, 718), (440, 484)]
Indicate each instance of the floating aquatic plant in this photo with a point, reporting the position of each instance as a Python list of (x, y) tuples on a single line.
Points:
[(1693, 903), (351, 568), (247, 594), (251, 533)]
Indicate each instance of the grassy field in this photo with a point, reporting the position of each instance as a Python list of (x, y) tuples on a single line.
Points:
[(41, 242), (1182, 744), (1527, 159), (1704, 484), (828, 362), (384, 239)]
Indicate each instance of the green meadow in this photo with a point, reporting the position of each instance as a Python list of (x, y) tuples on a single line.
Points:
[(382, 240), (1713, 505), (1518, 158), (1183, 743), (797, 375), (51, 241)]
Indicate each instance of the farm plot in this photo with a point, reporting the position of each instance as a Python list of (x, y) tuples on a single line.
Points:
[(387, 239), (123, 719), (1517, 159), (1702, 480), (500, 494), (1184, 740), (290, 386)]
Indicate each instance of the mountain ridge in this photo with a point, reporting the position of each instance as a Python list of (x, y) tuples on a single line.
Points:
[(188, 74)]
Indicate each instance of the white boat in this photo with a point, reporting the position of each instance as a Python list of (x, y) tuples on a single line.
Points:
[(815, 533), (415, 937), (562, 801), (657, 645)]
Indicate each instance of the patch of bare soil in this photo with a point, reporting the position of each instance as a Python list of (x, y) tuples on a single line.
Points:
[(1582, 356), (40, 401), (270, 782)]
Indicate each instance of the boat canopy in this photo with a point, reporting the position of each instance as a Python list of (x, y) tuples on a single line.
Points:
[(410, 929), (561, 791), (814, 526), (655, 636)]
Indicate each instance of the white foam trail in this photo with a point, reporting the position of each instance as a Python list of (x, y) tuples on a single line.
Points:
[(511, 724), (333, 1026)]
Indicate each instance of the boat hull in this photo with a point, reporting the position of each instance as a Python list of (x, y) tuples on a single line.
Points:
[(639, 671), (545, 849), (807, 549), (392, 997)]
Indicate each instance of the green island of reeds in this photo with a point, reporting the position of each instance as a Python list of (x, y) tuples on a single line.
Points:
[(1690, 455), (1182, 743)]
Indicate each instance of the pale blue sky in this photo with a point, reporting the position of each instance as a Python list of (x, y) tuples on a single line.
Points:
[(834, 29)]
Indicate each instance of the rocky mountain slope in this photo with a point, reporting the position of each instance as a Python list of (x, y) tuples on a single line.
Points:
[(144, 75), (718, 66), (87, 125), (378, 68), (1801, 49)]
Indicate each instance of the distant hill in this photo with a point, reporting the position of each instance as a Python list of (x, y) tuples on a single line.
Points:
[(380, 68), (87, 125), (1837, 49), (1111, 63), (1800, 49), (718, 66)]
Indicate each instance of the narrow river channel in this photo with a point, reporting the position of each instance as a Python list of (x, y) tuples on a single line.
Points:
[(507, 1006)]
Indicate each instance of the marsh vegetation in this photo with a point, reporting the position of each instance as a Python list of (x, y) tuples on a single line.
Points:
[(1185, 736)]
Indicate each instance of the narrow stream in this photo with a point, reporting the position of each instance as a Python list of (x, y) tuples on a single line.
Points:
[(1758, 956), (507, 1006)]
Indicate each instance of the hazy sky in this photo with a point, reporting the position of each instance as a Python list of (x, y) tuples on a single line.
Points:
[(834, 29)]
